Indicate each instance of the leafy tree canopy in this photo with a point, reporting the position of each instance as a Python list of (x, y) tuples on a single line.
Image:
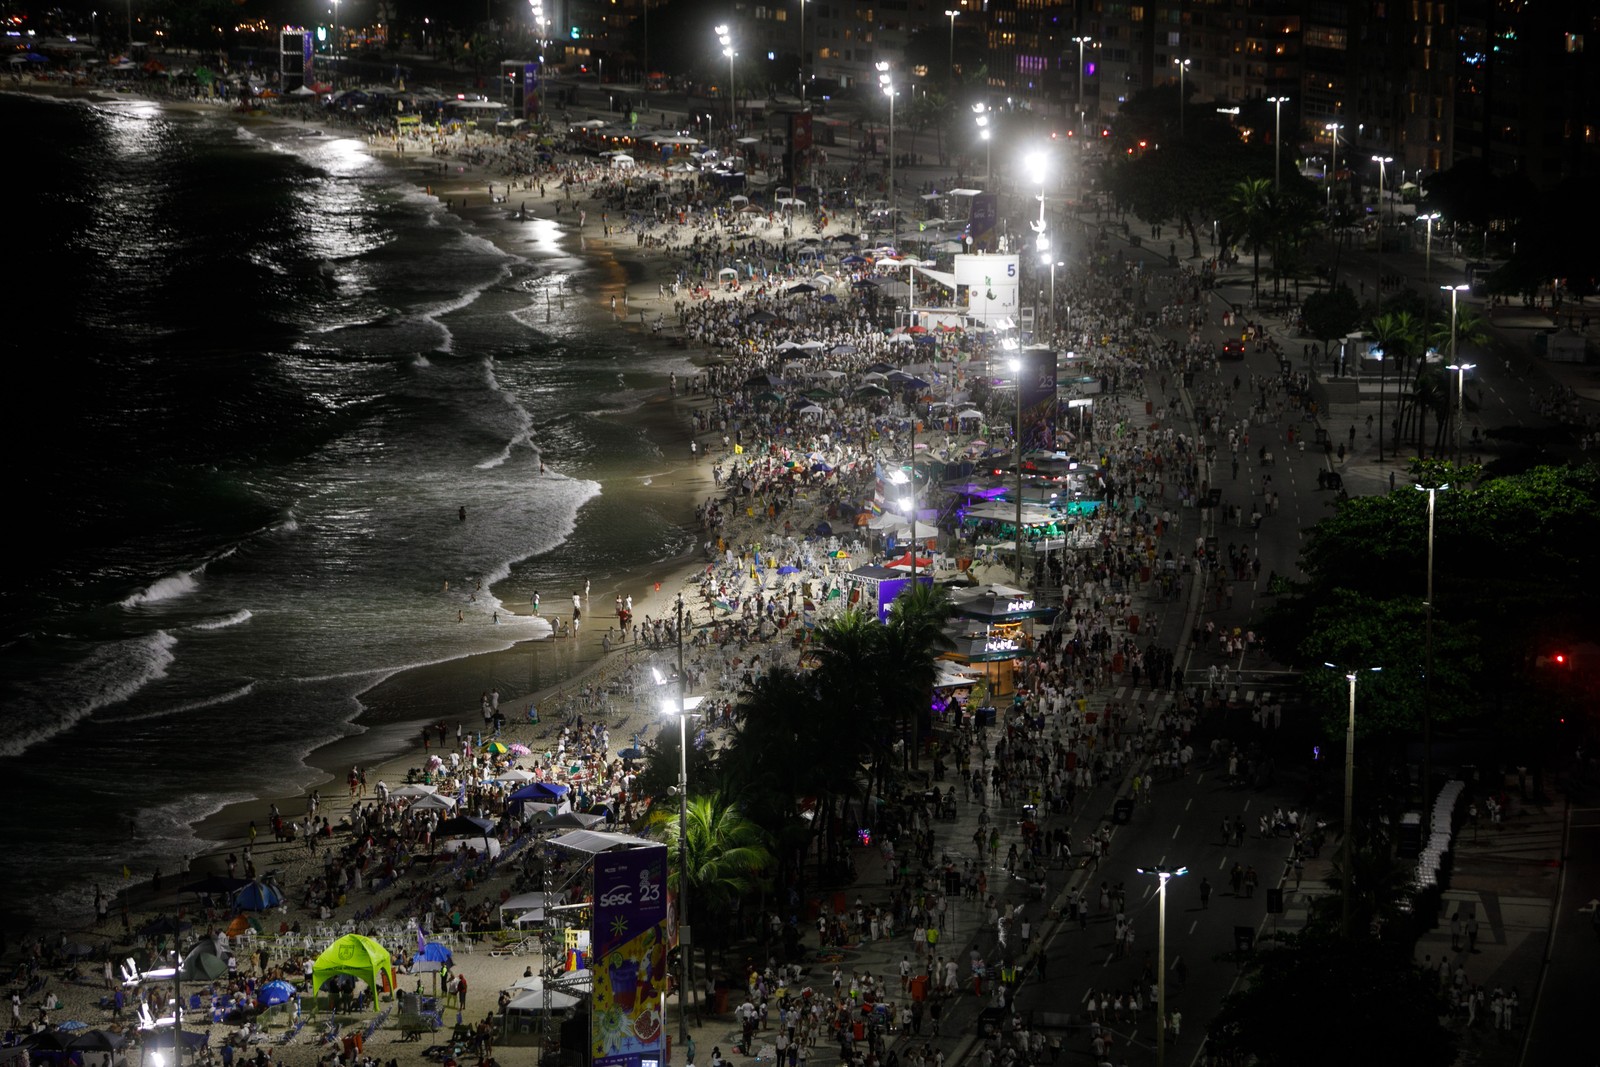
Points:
[(1387, 1008), (1332, 312)]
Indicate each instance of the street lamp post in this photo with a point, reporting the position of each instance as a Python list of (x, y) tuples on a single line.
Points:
[(951, 13), (1427, 260), (1427, 678), (803, 55), (1041, 241), (1163, 875), (1183, 68), (1461, 387), (682, 712), (1016, 378), (726, 40), (1378, 354), (886, 80), (335, 30), (982, 113), (1048, 260), (1456, 365), (1080, 42), (1277, 103), (1333, 128), (1383, 167), (1349, 799)]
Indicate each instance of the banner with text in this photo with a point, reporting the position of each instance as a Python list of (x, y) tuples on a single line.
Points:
[(630, 957), (1037, 382)]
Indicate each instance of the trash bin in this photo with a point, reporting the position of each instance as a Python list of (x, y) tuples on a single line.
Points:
[(986, 714), (1149, 407), (919, 987), (1133, 620), (1135, 240)]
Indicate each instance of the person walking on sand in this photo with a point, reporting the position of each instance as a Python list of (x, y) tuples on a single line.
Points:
[(577, 606)]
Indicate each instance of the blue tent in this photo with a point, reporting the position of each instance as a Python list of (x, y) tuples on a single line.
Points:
[(257, 896), (437, 953), (274, 993), (541, 793)]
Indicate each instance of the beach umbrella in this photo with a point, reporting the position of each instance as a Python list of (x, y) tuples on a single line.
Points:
[(72, 1026), (163, 1039), (520, 749), (274, 993), (786, 569), (495, 748), (77, 950), (872, 391), (163, 924), (47, 1041), (468, 825), (632, 752), (96, 1041)]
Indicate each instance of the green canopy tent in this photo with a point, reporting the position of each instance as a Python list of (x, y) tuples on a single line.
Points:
[(357, 957)]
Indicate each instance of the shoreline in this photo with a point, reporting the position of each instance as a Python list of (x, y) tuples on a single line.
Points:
[(385, 745), (410, 689)]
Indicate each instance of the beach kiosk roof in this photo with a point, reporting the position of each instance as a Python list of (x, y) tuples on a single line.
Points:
[(997, 607), (358, 957)]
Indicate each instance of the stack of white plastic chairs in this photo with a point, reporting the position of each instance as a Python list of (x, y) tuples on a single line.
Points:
[(1440, 830)]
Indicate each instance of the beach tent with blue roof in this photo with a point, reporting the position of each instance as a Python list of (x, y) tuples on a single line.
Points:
[(551, 795), (257, 896)]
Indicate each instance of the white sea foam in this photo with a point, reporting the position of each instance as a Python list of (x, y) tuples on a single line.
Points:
[(194, 705), (109, 675), (173, 586), (243, 615)]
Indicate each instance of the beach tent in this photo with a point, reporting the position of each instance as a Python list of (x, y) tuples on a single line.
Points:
[(257, 896), (417, 790), (527, 907), (542, 793), (358, 957), (434, 802), (437, 953), (476, 844), (205, 962)]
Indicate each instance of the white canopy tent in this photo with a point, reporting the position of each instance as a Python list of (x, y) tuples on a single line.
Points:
[(525, 908)]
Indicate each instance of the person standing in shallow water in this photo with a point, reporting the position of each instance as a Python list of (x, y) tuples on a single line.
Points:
[(577, 606), (462, 514)]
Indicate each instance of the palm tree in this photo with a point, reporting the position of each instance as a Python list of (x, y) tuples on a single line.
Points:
[(782, 712), (932, 108), (1430, 392), (1250, 215), (1382, 885), (913, 639), (727, 860)]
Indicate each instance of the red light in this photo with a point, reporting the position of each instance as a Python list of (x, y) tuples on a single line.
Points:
[(1144, 144), (1561, 659)]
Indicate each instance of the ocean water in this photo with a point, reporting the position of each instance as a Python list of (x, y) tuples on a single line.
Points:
[(255, 375)]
